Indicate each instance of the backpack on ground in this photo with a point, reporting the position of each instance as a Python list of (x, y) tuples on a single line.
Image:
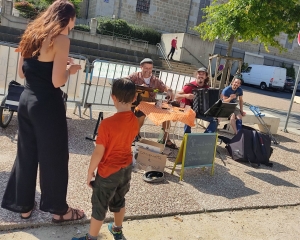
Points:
[(249, 145)]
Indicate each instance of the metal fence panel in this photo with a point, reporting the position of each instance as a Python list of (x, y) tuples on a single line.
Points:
[(99, 90), (75, 87)]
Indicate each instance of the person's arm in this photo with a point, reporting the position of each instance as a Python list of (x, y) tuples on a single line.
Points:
[(241, 104), (61, 70), (181, 95), (228, 99), (20, 64), (95, 160)]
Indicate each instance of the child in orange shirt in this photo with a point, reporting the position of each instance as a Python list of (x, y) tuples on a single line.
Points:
[(112, 156)]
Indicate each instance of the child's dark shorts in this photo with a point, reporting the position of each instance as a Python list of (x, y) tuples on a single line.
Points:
[(110, 192)]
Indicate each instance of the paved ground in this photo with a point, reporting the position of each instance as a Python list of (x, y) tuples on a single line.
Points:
[(233, 186)]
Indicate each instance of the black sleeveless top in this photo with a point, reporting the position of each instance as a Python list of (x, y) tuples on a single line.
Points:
[(38, 75)]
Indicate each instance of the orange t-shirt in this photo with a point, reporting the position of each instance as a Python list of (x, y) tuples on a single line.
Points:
[(116, 134)]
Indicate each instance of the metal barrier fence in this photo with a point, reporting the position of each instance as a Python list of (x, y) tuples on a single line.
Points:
[(102, 72), (75, 87), (91, 85)]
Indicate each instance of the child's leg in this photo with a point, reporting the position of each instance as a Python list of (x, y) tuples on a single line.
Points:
[(117, 203), (119, 217), (95, 226)]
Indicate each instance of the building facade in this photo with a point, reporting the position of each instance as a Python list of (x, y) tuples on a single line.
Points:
[(172, 16)]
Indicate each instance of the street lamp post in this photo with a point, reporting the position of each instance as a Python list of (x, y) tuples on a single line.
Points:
[(113, 17), (294, 92)]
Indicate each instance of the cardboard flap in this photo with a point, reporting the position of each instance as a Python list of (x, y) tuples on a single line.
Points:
[(148, 160), (150, 145)]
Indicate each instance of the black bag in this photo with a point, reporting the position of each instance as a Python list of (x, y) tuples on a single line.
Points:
[(204, 99), (249, 145), (15, 90)]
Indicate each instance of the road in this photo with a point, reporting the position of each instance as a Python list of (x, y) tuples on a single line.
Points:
[(294, 120)]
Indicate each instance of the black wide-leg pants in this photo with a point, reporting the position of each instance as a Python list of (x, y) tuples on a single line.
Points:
[(43, 141)]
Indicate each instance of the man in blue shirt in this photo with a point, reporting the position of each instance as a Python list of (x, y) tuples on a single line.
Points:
[(232, 94)]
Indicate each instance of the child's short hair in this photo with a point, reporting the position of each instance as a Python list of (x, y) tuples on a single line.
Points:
[(124, 90)]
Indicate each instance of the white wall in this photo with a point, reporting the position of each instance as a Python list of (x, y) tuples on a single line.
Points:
[(252, 58), (166, 39), (199, 48)]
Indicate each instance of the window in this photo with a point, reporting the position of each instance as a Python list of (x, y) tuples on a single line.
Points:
[(143, 6), (203, 4), (288, 44)]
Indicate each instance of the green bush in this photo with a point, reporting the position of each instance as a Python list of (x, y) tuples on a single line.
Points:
[(121, 28), (31, 8), (290, 71), (82, 27), (144, 33)]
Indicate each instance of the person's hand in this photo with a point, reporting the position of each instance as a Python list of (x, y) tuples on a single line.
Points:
[(73, 68), (243, 113), (70, 61), (170, 94), (190, 96), (232, 96), (89, 178)]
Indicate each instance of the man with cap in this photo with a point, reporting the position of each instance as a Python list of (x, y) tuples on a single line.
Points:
[(186, 94), (231, 94), (145, 78)]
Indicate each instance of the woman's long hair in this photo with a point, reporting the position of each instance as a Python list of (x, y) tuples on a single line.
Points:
[(48, 24)]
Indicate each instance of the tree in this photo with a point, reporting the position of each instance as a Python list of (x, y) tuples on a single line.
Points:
[(259, 21), (31, 8)]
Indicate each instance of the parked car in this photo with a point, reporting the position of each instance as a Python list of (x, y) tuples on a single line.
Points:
[(289, 84), (265, 76)]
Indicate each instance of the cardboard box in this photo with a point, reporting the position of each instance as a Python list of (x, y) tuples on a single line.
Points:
[(148, 160), (150, 145)]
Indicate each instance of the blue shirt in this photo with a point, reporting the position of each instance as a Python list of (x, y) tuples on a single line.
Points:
[(228, 91)]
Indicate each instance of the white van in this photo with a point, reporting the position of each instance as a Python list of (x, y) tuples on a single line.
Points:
[(265, 76)]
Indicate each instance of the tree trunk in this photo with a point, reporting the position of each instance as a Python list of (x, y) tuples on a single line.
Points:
[(225, 70)]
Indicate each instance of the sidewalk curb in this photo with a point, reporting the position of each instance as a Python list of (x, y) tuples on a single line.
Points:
[(144, 217)]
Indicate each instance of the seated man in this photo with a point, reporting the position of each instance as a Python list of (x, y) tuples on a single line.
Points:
[(145, 78), (186, 96), (230, 94)]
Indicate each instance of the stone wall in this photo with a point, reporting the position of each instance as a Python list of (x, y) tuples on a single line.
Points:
[(164, 15)]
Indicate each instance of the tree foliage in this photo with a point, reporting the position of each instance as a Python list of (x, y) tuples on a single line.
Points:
[(31, 8), (251, 20)]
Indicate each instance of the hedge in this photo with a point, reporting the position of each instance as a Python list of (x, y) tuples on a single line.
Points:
[(121, 28)]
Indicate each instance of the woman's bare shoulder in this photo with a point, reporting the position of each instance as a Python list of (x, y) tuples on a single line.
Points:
[(61, 40)]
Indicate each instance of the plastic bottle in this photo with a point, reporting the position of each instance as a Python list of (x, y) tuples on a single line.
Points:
[(161, 135)]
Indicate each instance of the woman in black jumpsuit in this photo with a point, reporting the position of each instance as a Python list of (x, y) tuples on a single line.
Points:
[(42, 135)]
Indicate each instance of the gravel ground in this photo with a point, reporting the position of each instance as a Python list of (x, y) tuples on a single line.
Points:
[(233, 186)]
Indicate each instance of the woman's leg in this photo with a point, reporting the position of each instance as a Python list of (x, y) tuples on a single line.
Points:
[(20, 191), (50, 126)]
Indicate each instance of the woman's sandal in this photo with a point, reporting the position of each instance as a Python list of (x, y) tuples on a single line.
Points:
[(29, 216), (74, 217), (169, 144)]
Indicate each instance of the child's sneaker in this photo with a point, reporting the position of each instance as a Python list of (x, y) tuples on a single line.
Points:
[(81, 238), (117, 235)]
